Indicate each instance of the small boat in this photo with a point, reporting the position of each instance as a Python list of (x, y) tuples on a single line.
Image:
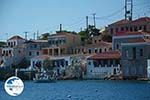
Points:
[(44, 78)]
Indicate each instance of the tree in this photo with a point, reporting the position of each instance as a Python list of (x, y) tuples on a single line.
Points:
[(93, 31), (2, 44), (84, 35), (48, 64), (107, 37), (44, 36)]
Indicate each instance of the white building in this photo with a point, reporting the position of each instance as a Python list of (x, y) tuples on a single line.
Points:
[(13, 53), (103, 65), (38, 62)]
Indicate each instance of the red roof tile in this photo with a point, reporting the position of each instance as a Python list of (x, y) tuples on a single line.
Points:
[(106, 55)]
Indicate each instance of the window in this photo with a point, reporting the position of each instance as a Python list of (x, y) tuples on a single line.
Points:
[(140, 28), (116, 30), (100, 50), (14, 43), (95, 41), (110, 49), (141, 52), (131, 29), (64, 41), (82, 49), (105, 49), (9, 51), (111, 30), (95, 50), (78, 50), (117, 62), (127, 28), (30, 53), (145, 28), (105, 62), (111, 62), (135, 28), (37, 53), (117, 46), (134, 53), (19, 51), (35, 46), (122, 29), (8, 43), (89, 63), (90, 51), (66, 63)]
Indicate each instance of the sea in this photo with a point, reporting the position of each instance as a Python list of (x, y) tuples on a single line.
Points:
[(82, 90)]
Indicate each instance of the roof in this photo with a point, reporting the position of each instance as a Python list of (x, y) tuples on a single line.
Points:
[(106, 55), (41, 57), (142, 19), (139, 20), (100, 44), (123, 21), (16, 37), (130, 33), (36, 41)]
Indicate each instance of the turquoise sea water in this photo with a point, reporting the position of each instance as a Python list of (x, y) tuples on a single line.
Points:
[(82, 90)]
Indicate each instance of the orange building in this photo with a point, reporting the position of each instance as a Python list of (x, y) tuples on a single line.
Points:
[(61, 43)]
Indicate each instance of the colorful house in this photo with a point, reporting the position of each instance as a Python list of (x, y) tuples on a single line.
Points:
[(104, 65)]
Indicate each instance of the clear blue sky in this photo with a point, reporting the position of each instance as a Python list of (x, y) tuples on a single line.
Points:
[(18, 16)]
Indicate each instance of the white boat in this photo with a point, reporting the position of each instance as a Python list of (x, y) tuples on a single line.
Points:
[(44, 78)]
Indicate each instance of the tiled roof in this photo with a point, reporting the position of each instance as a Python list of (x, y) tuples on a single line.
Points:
[(16, 37), (142, 19), (123, 21), (100, 44), (106, 55)]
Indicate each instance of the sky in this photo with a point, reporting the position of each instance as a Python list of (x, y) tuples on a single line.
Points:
[(19, 16)]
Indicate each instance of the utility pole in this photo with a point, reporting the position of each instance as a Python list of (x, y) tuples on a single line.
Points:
[(34, 35), (37, 34), (60, 27), (128, 9), (26, 35), (94, 14), (87, 24)]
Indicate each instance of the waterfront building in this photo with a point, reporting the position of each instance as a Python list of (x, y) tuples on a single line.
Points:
[(33, 48), (37, 62), (104, 65), (96, 47), (61, 43), (142, 24), (128, 37), (13, 52), (134, 59)]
